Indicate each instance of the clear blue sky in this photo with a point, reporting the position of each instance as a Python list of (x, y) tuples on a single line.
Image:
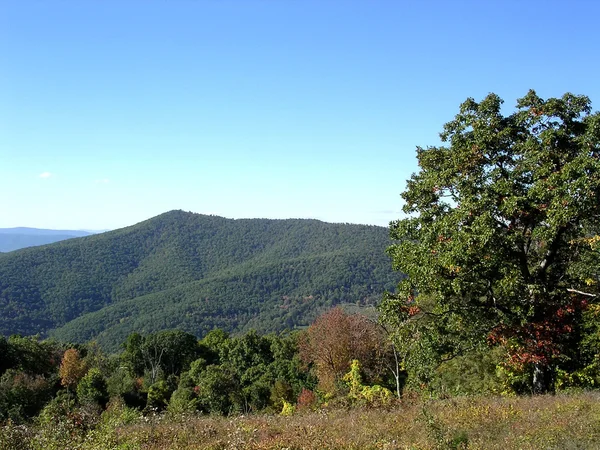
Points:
[(112, 112)]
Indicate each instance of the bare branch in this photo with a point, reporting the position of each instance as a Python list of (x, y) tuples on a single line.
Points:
[(582, 293)]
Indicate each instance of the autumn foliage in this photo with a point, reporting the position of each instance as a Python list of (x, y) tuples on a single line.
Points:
[(72, 368), (335, 339)]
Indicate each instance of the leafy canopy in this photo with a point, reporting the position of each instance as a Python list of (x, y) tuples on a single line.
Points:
[(501, 227)]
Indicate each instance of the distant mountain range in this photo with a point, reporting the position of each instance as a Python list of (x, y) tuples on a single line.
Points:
[(193, 272), (22, 237)]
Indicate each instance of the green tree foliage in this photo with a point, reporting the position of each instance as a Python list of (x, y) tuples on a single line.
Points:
[(213, 345), (28, 376), (121, 384), (92, 388), (159, 354), (133, 356), (500, 231), (243, 374), (158, 395), (168, 352), (476, 373), (23, 395), (218, 389), (281, 392), (31, 355), (184, 399)]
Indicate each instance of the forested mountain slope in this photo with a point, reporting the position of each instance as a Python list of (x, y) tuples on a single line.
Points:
[(193, 272)]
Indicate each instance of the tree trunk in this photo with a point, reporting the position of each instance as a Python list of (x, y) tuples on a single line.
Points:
[(543, 379), (396, 371)]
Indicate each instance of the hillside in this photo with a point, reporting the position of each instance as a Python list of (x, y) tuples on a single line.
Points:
[(193, 272), (16, 238)]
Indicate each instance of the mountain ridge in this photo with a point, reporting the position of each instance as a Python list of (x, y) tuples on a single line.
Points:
[(191, 271)]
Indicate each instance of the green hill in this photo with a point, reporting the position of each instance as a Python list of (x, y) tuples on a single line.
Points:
[(194, 272)]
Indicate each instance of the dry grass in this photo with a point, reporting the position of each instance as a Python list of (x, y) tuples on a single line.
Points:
[(560, 422), (548, 422)]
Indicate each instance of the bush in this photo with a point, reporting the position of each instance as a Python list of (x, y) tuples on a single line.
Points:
[(475, 373), (15, 437), (306, 400), (22, 396), (368, 395), (183, 400), (288, 409), (158, 395), (93, 389), (62, 425)]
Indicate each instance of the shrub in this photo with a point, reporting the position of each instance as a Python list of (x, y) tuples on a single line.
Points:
[(359, 393), (158, 395), (306, 399), (22, 395), (93, 389), (183, 400), (280, 392), (288, 409)]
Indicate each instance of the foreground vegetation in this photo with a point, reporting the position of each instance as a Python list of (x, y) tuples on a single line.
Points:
[(302, 390), (551, 422)]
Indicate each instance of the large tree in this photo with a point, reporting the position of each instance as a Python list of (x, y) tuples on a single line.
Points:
[(501, 230), (158, 355)]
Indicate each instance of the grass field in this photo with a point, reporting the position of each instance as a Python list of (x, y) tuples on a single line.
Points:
[(545, 422)]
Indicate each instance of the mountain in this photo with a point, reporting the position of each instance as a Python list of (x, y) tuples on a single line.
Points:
[(193, 272), (21, 237)]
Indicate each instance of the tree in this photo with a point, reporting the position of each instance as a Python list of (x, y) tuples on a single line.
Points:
[(133, 356), (159, 395), (161, 354), (218, 389), (335, 339), (23, 395), (501, 230), (72, 368), (213, 344), (31, 355), (92, 388), (168, 352)]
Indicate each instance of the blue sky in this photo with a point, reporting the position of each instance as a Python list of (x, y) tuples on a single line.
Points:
[(112, 112)]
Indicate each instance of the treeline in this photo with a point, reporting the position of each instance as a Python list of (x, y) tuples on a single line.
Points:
[(341, 360), (218, 374)]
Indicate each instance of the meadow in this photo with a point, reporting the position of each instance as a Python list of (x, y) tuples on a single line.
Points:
[(565, 421)]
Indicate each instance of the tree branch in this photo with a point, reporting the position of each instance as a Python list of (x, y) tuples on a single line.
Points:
[(461, 352), (552, 251), (582, 293)]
